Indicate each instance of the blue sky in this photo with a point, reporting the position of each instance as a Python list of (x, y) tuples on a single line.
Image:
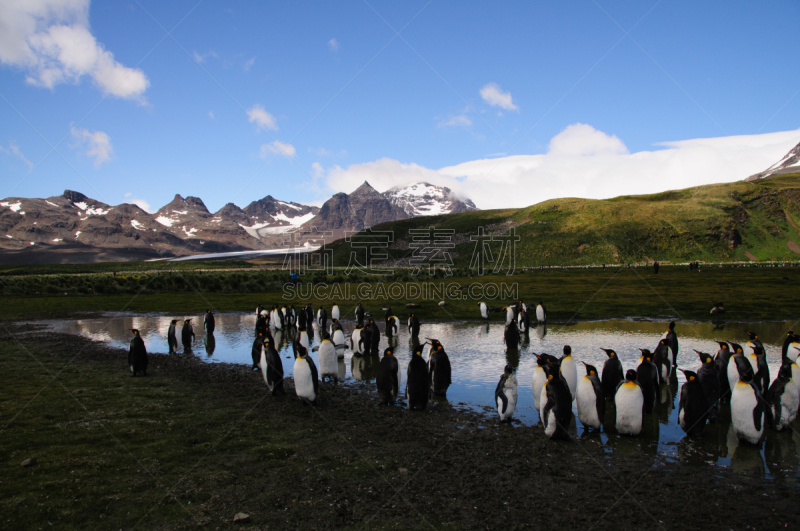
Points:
[(509, 103)]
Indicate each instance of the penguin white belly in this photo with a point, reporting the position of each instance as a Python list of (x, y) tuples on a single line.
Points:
[(539, 313), (733, 373), (538, 382), (790, 401), (484, 311), (630, 402), (396, 324), (303, 383), (743, 402), (542, 401), (262, 364), (570, 373), (328, 362), (338, 337), (796, 375), (587, 404), (354, 340), (510, 390), (335, 313), (792, 353), (550, 425), (682, 420), (509, 315), (753, 359)]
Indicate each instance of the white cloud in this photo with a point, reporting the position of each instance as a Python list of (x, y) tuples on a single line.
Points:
[(494, 96), (51, 40), (261, 117), (211, 114), (287, 150), (582, 162), (97, 144), (319, 171), (13, 149), (201, 58), (333, 44), (462, 120), (249, 64), (141, 203)]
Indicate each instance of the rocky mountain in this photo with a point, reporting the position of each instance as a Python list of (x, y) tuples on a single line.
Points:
[(78, 228), (790, 163), (363, 208), (423, 199)]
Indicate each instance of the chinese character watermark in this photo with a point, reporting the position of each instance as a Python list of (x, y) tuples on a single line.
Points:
[(372, 246), (430, 249), (482, 254)]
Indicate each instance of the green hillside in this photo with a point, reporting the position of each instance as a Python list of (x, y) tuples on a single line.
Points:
[(738, 221)]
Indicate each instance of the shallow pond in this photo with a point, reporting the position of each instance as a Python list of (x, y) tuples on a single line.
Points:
[(477, 355)]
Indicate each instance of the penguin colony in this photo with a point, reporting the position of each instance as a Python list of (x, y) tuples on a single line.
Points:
[(736, 376)]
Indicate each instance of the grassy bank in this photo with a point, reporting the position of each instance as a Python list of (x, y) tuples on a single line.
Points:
[(193, 444), (675, 292)]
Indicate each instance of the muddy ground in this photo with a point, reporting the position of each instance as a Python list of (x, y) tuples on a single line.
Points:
[(193, 444)]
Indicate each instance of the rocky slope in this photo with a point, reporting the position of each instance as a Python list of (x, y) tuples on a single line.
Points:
[(363, 208)]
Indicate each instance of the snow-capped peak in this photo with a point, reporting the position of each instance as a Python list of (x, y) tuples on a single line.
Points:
[(424, 199)]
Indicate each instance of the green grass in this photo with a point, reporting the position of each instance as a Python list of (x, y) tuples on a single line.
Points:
[(676, 226), (748, 293)]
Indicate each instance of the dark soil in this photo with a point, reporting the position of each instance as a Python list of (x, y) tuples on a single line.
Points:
[(193, 444)]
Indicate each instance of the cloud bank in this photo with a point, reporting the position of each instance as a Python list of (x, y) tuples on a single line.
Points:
[(50, 39), (581, 162), (494, 96)]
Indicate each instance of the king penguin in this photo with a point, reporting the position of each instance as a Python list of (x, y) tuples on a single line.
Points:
[(355, 341), (438, 368), (541, 313), (417, 383), (328, 361), (709, 381), (783, 397), (255, 351), (187, 334), (557, 409), (511, 335), (612, 374), (303, 338), (306, 379), (392, 326), (271, 367), (672, 342), (335, 312), (662, 362), (209, 323), (137, 354), (375, 337), (647, 376), (569, 371), (359, 315), (484, 311), (540, 377), (747, 404), (721, 362), (172, 337), (787, 350), (509, 315), (591, 401), (693, 406), (505, 394), (386, 377), (413, 325), (523, 321), (629, 402)]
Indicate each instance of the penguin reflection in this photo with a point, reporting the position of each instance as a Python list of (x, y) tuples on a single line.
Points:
[(211, 344)]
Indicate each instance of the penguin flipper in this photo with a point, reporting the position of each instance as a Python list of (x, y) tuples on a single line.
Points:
[(314, 376)]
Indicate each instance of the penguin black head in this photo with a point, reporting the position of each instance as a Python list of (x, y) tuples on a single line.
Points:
[(672, 325), (418, 349), (208, 311), (590, 369), (610, 352), (326, 335), (689, 375), (301, 350), (508, 370), (704, 357), (758, 351), (388, 352), (567, 351), (631, 375), (135, 331), (187, 320), (174, 321), (722, 345), (751, 336), (646, 353), (737, 348), (301, 329), (265, 340), (552, 370), (435, 344)]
